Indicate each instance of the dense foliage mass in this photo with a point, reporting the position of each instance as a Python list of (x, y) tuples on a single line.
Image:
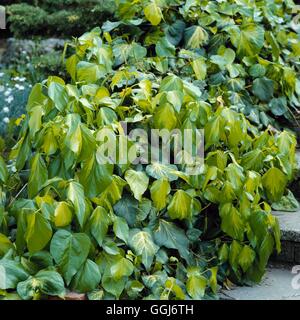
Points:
[(245, 51), (152, 231)]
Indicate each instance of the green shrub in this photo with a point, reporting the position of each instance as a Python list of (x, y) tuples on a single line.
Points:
[(50, 20), (26, 20)]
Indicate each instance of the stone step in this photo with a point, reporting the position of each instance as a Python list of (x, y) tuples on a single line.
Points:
[(290, 236), (279, 283)]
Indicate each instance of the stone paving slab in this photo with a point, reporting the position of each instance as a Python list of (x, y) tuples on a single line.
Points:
[(289, 225), (276, 285), (290, 237)]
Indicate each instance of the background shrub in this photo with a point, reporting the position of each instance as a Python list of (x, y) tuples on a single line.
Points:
[(49, 18), (34, 59)]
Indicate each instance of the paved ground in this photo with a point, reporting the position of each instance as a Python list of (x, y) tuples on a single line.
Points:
[(277, 285), (289, 225)]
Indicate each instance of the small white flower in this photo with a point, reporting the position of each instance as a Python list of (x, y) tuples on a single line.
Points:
[(1, 74), (19, 87), (6, 120), (2, 88), (7, 92), (6, 110), (22, 79), (10, 99)]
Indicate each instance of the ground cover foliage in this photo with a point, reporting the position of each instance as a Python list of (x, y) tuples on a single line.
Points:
[(150, 230)]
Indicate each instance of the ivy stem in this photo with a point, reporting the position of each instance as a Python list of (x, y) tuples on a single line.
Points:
[(18, 194)]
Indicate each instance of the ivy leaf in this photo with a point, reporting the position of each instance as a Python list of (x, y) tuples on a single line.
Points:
[(5, 244), (153, 13), (265, 250), (274, 182), (112, 286), (95, 177), (172, 285), (45, 282), (227, 58), (287, 203), (200, 68), (195, 37), (137, 52), (113, 193), (164, 48), (75, 194), (58, 94), (278, 106), (234, 252), (142, 244), (138, 182), (246, 257), (257, 71), (159, 192), (98, 224), (165, 117), (175, 98), (38, 175), (158, 171), (248, 39), (88, 72), (63, 214), (121, 229), (127, 208), (35, 121), (196, 284), (274, 44), (134, 288), (171, 83), (232, 222), (223, 253), (263, 88), (122, 268), (253, 160), (213, 131), (87, 278), (167, 234), (180, 206), (174, 32), (69, 252), (38, 232), (11, 273), (71, 64), (3, 171)]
